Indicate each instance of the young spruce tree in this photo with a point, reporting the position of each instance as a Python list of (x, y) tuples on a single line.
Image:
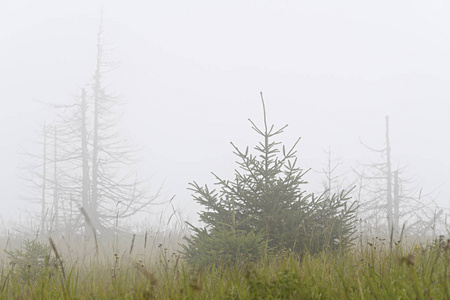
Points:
[(265, 207)]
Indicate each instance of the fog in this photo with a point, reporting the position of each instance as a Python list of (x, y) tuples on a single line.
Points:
[(190, 75)]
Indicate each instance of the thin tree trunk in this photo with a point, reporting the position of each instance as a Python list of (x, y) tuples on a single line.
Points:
[(95, 147), (396, 202), (84, 156), (44, 178), (329, 173), (55, 191), (389, 179)]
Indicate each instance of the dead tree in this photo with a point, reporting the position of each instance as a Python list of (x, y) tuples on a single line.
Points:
[(92, 163), (96, 156), (389, 205), (40, 181), (44, 178), (332, 181), (84, 152), (113, 195), (388, 200), (55, 210)]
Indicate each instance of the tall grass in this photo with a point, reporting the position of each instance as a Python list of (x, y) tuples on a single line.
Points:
[(143, 271)]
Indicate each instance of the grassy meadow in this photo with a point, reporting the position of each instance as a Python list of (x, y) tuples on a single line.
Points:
[(152, 268)]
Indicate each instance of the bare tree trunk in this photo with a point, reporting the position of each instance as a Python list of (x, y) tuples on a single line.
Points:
[(329, 174), (84, 157), (389, 179), (93, 212), (55, 191), (396, 203), (387, 200), (44, 178)]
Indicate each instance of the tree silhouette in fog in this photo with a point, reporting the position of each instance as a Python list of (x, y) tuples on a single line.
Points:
[(92, 162)]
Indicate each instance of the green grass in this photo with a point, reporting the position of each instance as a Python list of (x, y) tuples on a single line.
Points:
[(375, 272)]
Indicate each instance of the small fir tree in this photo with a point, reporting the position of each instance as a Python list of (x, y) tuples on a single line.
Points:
[(32, 261), (266, 197)]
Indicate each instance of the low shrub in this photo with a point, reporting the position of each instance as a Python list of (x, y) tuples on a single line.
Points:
[(32, 260)]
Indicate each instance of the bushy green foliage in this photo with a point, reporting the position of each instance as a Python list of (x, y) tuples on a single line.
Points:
[(266, 195), (283, 286), (32, 260), (223, 245)]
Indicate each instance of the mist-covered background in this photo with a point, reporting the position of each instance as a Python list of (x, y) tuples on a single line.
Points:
[(190, 73)]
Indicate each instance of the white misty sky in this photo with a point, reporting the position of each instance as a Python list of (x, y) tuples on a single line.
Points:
[(191, 72)]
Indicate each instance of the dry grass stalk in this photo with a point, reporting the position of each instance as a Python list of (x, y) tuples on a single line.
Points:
[(58, 257), (88, 220), (132, 243), (145, 240)]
